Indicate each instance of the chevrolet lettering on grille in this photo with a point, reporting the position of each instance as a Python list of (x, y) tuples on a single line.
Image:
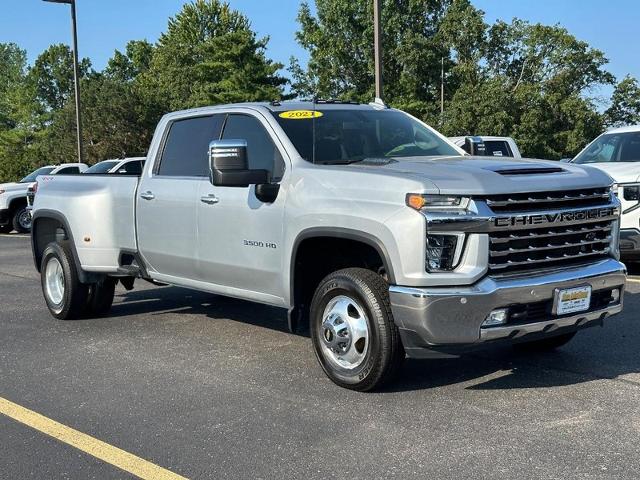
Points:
[(556, 218)]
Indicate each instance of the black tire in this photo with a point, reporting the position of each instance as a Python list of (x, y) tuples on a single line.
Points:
[(384, 353), (100, 297), (73, 302), (21, 220), (545, 344)]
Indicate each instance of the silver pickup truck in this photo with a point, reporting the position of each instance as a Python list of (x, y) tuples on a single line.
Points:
[(369, 227)]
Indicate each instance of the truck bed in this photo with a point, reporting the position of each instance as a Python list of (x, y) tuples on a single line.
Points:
[(99, 211)]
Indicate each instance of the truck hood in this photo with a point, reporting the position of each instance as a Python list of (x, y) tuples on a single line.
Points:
[(14, 187), (486, 175), (621, 172)]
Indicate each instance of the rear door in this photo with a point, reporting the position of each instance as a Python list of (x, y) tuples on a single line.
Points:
[(168, 200)]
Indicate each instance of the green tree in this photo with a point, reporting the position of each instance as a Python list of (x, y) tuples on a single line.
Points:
[(136, 60), (339, 39), (527, 80), (625, 104), (52, 76), (18, 123), (210, 55)]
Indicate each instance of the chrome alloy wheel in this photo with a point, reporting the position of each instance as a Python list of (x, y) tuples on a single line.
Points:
[(24, 220), (344, 332), (54, 281)]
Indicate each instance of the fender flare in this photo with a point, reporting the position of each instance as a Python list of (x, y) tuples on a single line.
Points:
[(59, 217), (344, 233)]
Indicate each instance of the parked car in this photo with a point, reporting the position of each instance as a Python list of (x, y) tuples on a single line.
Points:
[(359, 220), (488, 146), (13, 196), (617, 152), (123, 166)]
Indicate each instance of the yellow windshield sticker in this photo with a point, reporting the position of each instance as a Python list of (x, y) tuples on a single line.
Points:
[(301, 114)]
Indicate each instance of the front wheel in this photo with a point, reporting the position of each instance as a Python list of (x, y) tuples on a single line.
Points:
[(354, 336), (66, 297), (22, 220)]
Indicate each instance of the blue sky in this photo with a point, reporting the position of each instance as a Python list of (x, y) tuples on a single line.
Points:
[(106, 25)]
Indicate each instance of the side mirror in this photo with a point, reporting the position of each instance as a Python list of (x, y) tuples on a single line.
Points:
[(474, 146), (229, 165)]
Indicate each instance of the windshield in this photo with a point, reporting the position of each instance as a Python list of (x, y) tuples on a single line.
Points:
[(102, 167), (33, 175), (612, 147), (347, 136)]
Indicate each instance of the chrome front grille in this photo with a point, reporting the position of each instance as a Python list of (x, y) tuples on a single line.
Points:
[(525, 202), (548, 246)]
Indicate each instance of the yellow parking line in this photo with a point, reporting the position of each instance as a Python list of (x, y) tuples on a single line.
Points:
[(99, 449)]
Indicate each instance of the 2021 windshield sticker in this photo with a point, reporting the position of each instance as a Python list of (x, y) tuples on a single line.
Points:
[(300, 114)]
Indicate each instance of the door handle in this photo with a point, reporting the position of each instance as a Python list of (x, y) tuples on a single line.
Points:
[(147, 195), (210, 199)]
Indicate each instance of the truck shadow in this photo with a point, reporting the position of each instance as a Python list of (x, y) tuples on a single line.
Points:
[(175, 300), (595, 353)]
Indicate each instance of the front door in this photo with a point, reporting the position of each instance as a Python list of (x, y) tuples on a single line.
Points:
[(240, 238)]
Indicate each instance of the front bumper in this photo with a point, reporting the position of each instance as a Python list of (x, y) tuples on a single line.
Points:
[(449, 319), (5, 217), (630, 244)]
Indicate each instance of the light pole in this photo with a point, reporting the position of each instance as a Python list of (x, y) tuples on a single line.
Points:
[(76, 75), (377, 40)]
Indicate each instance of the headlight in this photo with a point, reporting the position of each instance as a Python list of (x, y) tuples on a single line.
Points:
[(437, 202), (444, 251), (631, 193)]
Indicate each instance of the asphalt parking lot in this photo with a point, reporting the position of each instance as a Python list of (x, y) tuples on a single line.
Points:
[(209, 387)]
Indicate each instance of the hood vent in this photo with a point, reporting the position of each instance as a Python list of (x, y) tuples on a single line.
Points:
[(530, 171)]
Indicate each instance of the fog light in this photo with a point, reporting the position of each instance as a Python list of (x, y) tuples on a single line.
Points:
[(496, 317), (615, 295)]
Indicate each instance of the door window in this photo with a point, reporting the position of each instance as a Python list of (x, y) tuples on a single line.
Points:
[(69, 171), (131, 168), (186, 148), (261, 151), (497, 148)]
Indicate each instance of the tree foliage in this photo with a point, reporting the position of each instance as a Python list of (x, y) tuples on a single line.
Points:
[(530, 81), (625, 104), (208, 55)]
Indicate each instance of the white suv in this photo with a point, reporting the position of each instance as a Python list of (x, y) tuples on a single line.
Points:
[(617, 152), (14, 214)]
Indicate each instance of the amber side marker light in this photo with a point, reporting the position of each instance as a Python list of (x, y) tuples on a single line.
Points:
[(416, 201)]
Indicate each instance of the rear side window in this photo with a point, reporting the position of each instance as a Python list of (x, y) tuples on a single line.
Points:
[(495, 148), (261, 151), (131, 168), (102, 167), (186, 146), (69, 171)]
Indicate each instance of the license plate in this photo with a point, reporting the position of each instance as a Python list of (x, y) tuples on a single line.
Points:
[(572, 300)]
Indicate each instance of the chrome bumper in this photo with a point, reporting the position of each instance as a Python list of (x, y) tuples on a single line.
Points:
[(453, 316)]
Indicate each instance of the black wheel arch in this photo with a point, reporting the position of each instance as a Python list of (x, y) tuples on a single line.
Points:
[(335, 234), (45, 228)]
